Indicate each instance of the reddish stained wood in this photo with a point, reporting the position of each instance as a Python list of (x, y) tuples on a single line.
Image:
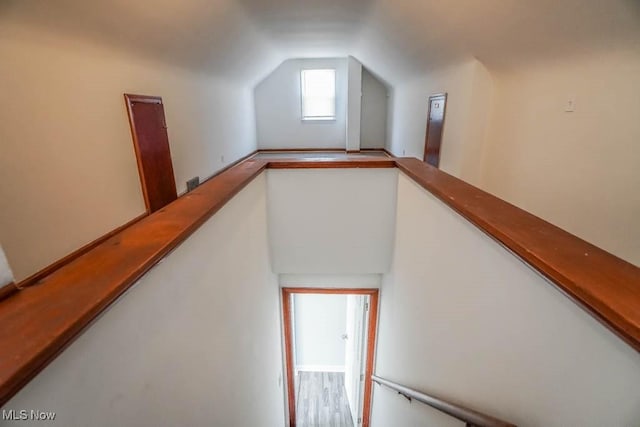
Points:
[(240, 160), (229, 166), (7, 290), (332, 291), (151, 143), (34, 278), (288, 355), (83, 288), (371, 343), (371, 348), (435, 126), (337, 163), (605, 285)]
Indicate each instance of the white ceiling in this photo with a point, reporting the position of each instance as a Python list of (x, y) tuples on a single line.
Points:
[(397, 39)]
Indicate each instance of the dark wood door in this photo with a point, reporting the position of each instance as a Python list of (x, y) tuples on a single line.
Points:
[(435, 125), (151, 142)]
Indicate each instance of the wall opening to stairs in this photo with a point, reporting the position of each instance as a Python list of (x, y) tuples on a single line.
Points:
[(329, 338), (200, 334)]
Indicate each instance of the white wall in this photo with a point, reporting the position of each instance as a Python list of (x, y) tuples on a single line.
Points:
[(6, 275), (67, 162), (463, 318), (369, 281), (278, 108), (468, 85), (331, 221), (506, 131), (190, 344), (354, 103), (580, 170), (373, 125), (320, 321)]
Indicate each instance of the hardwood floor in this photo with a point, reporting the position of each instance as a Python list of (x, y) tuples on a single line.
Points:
[(321, 400)]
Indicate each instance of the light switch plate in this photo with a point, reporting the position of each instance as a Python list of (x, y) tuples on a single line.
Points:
[(570, 105)]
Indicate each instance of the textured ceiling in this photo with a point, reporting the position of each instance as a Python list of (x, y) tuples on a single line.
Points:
[(397, 39)]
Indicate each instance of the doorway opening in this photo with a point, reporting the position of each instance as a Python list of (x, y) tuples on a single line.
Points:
[(435, 126), (151, 143), (329, 337)]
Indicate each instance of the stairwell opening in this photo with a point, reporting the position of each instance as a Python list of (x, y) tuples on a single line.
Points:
[(329, 337)]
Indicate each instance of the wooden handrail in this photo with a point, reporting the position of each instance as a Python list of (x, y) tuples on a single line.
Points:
[(7, 290), (34, 330), (40, 321), (469, 416), (606, 286)]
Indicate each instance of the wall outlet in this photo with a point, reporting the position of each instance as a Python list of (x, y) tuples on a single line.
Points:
[(403, 152), (193, 183), (222, 159)]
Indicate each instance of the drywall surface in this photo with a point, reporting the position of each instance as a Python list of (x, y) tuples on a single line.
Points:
[(354, 103), (190, 344), (320, 322), (579, 170), (331, 280), (67, 161), (462, 318), (397, 38), (278, 108), (468, 87), (373, 125), (507, 132), (331, 221)]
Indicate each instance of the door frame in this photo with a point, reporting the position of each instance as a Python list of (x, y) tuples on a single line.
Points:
[(130, 99), (372, 328), (444, 117)]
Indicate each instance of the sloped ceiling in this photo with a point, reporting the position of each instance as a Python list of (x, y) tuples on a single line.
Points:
[(407, 37), (397, 39)]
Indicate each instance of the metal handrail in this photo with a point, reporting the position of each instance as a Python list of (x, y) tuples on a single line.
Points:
[(471, 417)]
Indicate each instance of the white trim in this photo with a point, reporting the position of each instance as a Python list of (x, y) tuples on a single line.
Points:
[(320, 368), (294, 346), (311, 119)]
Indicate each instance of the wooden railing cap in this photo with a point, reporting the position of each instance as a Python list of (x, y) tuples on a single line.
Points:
[(606, 286)]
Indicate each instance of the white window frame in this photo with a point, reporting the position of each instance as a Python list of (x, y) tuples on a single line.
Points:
[(308, 119)]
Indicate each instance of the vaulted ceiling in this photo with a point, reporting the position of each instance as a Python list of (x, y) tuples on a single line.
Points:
[(397, 39)]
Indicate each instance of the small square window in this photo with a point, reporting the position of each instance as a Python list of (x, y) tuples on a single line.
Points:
[(318, 94)]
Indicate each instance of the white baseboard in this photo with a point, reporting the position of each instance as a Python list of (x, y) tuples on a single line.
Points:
[(320, 368)]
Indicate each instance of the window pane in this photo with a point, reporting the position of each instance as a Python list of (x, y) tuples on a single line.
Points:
[(319, 94)]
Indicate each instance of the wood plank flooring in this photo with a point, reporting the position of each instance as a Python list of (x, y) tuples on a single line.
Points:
[(321, 400)]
